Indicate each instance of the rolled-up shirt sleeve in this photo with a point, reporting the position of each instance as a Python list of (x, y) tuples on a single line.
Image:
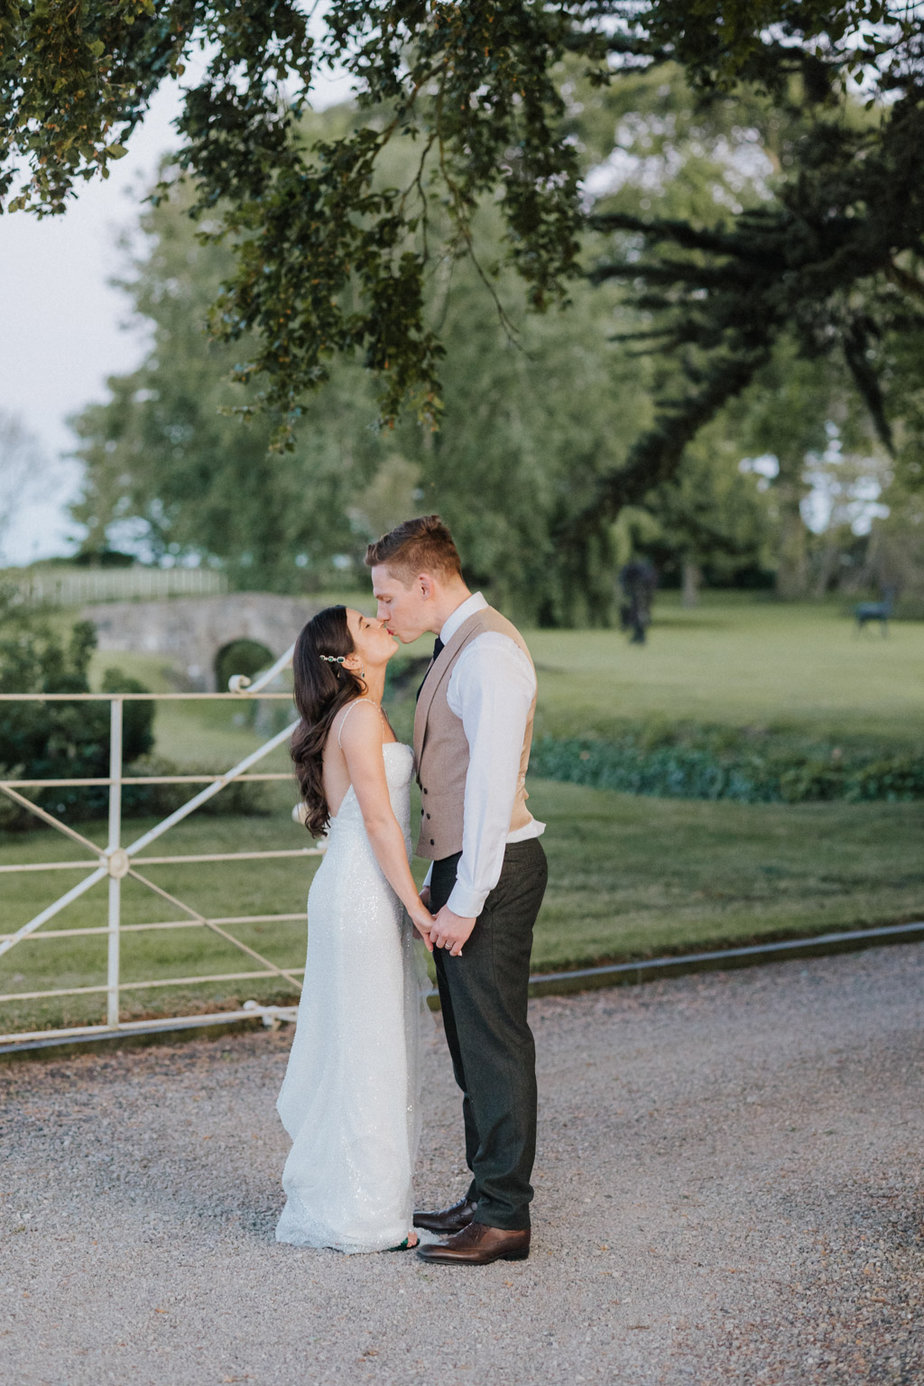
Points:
[(491, 690)]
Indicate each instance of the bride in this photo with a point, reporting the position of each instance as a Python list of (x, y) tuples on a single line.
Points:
[(350, 1101)]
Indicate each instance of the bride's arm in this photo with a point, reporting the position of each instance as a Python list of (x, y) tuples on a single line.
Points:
[(361, 743)]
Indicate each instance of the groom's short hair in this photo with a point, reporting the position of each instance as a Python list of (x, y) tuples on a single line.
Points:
[(422, 545)]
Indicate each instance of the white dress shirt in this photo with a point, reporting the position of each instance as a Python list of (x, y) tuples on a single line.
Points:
[(491, 689)]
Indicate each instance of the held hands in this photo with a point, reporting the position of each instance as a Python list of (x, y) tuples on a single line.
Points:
[(444, 930), (450, 931)]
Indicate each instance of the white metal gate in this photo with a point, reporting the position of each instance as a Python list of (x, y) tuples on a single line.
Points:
[(118, 861)]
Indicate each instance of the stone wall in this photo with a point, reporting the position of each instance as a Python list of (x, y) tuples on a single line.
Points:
[(190, 631)]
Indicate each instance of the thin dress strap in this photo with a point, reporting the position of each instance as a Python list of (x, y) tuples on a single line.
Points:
[(350, 707)]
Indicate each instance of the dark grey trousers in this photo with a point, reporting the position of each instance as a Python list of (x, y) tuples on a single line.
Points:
[(483, 995)]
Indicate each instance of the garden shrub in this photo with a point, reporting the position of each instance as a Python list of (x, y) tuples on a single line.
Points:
[(708, 763), (58, 740)]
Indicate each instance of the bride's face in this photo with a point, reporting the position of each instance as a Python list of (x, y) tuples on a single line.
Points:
[(371, 641)]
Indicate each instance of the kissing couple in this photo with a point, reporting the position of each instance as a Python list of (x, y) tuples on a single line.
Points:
[(350, 1101)]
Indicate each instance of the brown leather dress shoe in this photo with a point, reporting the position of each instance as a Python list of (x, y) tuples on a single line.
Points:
[(449, 1220), (478, 1245)]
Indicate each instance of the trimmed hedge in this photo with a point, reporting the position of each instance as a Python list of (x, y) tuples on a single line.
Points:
[(706, 766)]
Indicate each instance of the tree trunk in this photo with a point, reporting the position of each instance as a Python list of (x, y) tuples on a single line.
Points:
[(692, 577), (827, 566), (792, 556)]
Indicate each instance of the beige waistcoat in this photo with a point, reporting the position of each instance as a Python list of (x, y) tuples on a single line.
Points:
[(441, 749)]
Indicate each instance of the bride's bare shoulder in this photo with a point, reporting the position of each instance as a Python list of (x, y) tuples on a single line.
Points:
[(361, 725)]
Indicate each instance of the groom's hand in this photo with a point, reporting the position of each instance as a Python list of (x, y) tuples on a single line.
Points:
[(450, 931)]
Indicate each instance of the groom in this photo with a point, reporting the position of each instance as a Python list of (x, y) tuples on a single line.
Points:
[(472, 734)]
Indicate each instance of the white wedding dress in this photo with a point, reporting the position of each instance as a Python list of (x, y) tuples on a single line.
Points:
[(350, 1098)]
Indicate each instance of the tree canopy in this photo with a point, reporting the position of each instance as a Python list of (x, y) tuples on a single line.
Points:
[(330, 259), (528, 427)]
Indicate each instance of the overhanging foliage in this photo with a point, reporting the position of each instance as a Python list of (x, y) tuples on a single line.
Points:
[(331, 261)]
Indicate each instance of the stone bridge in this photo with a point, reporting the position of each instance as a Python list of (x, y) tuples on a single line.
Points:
[(192, 631)]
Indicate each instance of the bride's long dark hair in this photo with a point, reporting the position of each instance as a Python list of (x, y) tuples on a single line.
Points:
[(322, 688)]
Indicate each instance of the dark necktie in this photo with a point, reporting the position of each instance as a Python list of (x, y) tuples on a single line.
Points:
[(437, 646)]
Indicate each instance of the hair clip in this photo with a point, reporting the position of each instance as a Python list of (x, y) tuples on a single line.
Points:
[(333, 659)]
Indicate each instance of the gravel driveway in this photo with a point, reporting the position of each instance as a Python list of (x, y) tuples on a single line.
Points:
[(729, 1190)]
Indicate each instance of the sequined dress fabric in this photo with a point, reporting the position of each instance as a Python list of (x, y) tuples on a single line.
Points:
[(350, 1098)]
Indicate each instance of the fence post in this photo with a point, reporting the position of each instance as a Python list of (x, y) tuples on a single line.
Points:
[(114, 856)]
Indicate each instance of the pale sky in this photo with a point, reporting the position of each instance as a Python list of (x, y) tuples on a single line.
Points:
[(65, 330), (64, 326)]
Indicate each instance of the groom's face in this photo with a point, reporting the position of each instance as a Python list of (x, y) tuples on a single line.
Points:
[(405, 609)]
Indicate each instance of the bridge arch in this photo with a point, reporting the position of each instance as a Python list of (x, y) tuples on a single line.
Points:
[(241, 656)]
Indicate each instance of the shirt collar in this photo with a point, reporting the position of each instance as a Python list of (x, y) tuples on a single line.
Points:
[(475, 602)]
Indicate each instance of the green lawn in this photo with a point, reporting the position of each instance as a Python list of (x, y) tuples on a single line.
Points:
[(634, 878), (630, 877), (738, 662)]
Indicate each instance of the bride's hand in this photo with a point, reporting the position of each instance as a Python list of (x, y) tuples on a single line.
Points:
[(422, 920)]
